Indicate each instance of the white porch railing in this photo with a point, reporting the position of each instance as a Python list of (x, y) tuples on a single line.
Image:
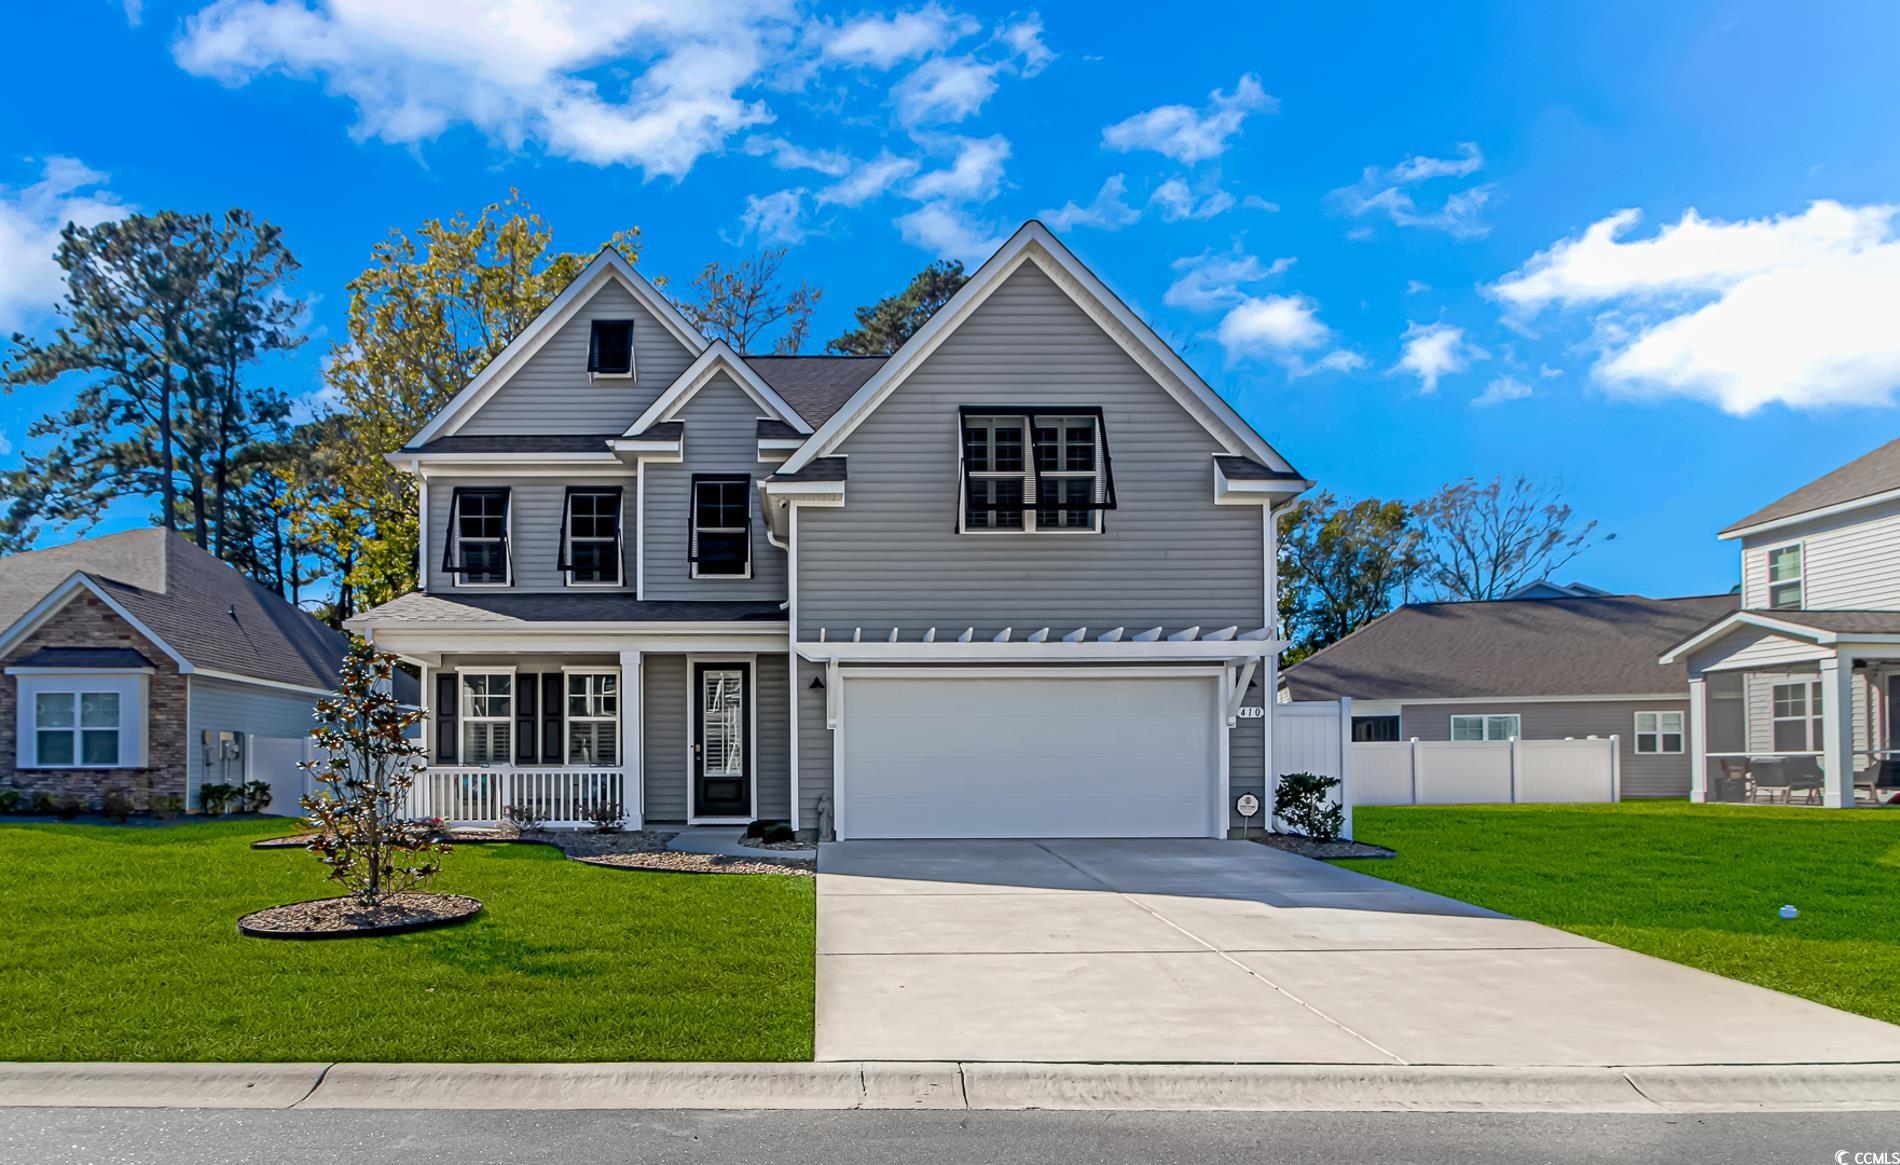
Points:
[(559, 795)]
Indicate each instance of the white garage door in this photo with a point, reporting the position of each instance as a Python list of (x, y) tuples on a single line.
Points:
[(1038, 756)]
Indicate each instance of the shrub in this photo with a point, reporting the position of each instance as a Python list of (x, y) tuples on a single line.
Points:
[(117, 804), (216, 798), (10, 800), (68, 806), (370, 763), (256, 796), (607, 817), (521, 818), (42, 804), (1305, 802), (776, 831), (166, 806)]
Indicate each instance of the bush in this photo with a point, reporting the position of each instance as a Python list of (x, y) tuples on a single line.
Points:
[(42, 804), (166, 806), (607, 817), (522, 818), (216, 798), (117, 804), (68, 806), (760, 829), (256, 796), (10, 800), (1305, 802), (776, 831)]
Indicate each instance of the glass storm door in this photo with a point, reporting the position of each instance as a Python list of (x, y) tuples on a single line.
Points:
[(722, 754)]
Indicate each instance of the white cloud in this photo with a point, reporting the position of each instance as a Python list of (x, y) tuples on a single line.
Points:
[(1283, 329), (1177, 201), (1500, 390), (1187, 134), (1255, 202), (1384, 191), (776, 218), (949, 232), (1792, 309), (788, 155), (976, 173), (31, 218), (1414, 287), (1110, 210), (1433, 351), (883, 41), (1025, 39), (517, 71), (869, 180), (1212, 279), (945, 89)]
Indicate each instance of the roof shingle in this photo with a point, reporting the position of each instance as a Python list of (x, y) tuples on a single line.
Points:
[(1874, 473)]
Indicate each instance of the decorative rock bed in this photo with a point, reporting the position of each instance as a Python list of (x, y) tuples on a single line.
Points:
[(325, 918), (1306, 847), (675, 862)]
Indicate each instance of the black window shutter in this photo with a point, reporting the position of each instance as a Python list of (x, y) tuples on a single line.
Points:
[(553, 701), (525, 740), (445, 705)]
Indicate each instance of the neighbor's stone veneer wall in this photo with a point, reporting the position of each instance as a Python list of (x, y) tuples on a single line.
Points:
[(86, 622)]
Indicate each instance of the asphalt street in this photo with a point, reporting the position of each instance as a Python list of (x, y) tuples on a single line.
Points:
[(223, 1137)]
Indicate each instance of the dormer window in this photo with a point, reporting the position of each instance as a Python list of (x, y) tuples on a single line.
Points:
[(610, 348), (1034, 471), (590, 536)]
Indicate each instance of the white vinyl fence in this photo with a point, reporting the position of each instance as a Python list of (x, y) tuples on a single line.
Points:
[(1315, 736), (276, 760), (1467, 772)]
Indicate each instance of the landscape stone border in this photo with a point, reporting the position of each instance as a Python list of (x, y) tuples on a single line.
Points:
[(449, 910)]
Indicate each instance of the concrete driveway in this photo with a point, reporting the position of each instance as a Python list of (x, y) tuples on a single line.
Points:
[(1229, 952)]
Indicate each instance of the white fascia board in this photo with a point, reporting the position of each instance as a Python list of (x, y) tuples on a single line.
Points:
[(1025, 652), (609, 264), (1745, 619), (256, 681), (437, 643), (649, 450), (1811, 515), (1359, 705), (1034, 243), (1253, 491), (81, 671), (59, 596), (715, 359)]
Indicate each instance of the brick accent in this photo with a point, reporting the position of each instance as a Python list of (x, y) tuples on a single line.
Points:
[(86, 622)]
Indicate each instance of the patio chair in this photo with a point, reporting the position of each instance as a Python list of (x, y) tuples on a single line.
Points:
[(1770, 780), (1735, 779)]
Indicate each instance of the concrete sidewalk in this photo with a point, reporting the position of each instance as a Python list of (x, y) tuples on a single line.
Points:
[(954, 1086), (1158, 951)]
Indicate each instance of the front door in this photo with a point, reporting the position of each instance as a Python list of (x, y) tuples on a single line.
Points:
[(722, 746)]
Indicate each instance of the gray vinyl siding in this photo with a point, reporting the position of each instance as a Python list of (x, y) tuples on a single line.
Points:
[(552, 393), (535, 507), (663, 736), (1644, 775), (721, 437), (814, 753), (1759, 693), (223, 706), (1246, 756), (1849, 561), (891, 555), (772, 766)]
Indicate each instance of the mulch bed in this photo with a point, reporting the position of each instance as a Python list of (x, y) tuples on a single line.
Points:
[(1306, 847), (294, 841), (325, 918), (669, 861)]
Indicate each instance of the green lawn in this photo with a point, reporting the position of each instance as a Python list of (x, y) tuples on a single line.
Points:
[(121, 944), (1698, 884)]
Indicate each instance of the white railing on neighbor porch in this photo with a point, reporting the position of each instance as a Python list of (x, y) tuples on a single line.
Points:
[(1466, 772), (560, 796)]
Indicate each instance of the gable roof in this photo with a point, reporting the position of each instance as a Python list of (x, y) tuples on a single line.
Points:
[(1598, 646), (200, 609), (817, 386), (716, 358), (1864, 479), (608, 265), (1034, 243)]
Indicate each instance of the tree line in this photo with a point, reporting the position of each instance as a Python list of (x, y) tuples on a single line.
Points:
[(164, 339)]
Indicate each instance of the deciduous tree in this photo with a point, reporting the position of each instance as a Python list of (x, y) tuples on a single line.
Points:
[(1341, 566), (740, 302), (1484, 540)]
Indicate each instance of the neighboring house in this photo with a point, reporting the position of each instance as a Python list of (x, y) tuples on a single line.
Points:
[(1794, 694), (1544, 588), (1540, 668), (1014, 580), (138, 662)]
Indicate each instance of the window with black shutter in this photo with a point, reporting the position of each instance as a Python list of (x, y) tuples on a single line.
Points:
[(1033, 470), (719, 545), (447, 697), (475, 553), (610, 348), (551, 688), (526, 741), (590, 536)]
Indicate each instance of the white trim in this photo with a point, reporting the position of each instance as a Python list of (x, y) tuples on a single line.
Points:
[(458, 463), (791, 658), (648, 448), (422, 532), (17, 670), (618, 719), (609, 264), (60, 595), (1030, 653), (1363, 703), (1768, 622), (511, 720), (752, 736), (1034, 243), (280, 685), (132, 691), (1800, 579), (1637, 733), (699, 374), (1253, 491), (639, 528), (1484, 726), (1811, 515), (458, 580), (693, 528), (619, 538)]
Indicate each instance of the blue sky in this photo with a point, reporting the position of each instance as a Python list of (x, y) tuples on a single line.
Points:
[(1366, 226)]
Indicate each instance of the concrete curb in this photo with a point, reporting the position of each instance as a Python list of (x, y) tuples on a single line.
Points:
[(968, 1086)]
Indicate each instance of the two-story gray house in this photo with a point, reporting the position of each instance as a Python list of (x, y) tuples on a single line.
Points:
[(1792, 697), (1013, 581)]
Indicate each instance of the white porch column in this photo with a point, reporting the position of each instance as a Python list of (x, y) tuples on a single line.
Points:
[(1698, 739), (632, 776), (1837, 731)]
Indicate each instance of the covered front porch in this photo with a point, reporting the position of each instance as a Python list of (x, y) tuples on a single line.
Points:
[(1795, 708)]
